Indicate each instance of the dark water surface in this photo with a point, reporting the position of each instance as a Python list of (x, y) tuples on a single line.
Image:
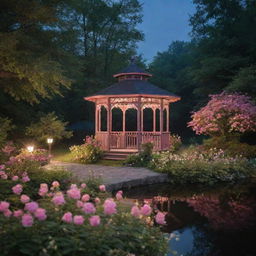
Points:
[(203, 221)]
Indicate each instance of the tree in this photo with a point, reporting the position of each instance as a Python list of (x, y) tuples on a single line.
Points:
[(225, 115), (30, 66), (49, 126), (5, 127)]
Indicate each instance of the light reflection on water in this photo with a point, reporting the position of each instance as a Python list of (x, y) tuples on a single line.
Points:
[(201, 221)]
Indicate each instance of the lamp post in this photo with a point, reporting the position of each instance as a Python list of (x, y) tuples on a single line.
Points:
[(50, 141), (30, 149)]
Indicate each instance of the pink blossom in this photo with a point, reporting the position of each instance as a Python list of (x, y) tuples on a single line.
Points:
[(25, 179), (135, 211), (78, 220), (4, 206), (4, 176), (102, 188), (40, 214), (7, 213), (55, 184), (27, 220), (17, 213), (146, 210), (94, 220), (58, 199), (2, 167), (119, 195), (109, 207), (74, 193), (31, 207), (15, 178), (24, 199), (67, 217), (89, 208), (97, 200), (17, 189), (85, 198), (83, 185), (160, 218), (79, 204), (43, 189)]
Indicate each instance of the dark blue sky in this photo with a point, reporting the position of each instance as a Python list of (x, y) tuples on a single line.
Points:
[(164, 21)]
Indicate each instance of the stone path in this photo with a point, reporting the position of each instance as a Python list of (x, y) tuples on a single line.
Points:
[(114, 177)]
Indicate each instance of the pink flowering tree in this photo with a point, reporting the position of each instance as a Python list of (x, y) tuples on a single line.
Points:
[(225, 115)]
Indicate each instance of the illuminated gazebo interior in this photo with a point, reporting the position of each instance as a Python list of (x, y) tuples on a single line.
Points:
[(132, 112)]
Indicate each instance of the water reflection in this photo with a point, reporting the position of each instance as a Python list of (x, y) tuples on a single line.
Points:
[(200, 222)]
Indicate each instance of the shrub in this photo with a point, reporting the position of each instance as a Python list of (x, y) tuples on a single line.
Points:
[(5, 127), (88, 153), (206, 167), (75, 222), (175, 142), (141, 159)]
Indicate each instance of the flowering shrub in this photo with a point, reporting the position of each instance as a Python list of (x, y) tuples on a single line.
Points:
[(202, 167), (175, 142), (74, 222), (89, 152), (224, 115)]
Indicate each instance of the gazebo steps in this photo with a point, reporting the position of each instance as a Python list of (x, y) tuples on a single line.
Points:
[(117, 155)]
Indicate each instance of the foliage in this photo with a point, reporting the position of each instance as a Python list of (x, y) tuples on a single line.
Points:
[(49, 126), (88, 153), (142, 158), (225, 115), (207, 167), (74, 222), (175, 142), (5, 127)]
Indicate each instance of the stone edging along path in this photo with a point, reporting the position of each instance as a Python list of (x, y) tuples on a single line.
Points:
[(114, 178)]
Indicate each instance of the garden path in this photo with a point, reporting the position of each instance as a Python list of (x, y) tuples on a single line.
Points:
[(113, 177)]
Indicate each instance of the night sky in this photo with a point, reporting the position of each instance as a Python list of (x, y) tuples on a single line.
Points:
[(164, 21)]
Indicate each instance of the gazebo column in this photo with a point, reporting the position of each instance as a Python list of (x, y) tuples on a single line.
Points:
[(139, 124), (123, 140), (96, 117), (99, 115), (161, 125), (109, 124), (154, 119), (168, 119)]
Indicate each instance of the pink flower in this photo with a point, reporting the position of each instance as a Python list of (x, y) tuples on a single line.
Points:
[(119, 195), (25, 179), (78, 220), (83, 185), (43, 189), (4, 176), (2, 166), (109, 207), (160, 218), (94, 220), (146, 210), (135, 211), (4, 206), (40, 214), (7, 213), (27, 220), (24, 199), (97, 200), (79, 204), (85, 198), (58, 199), (89, 208), (17, 213), (74, 193), (15, 178), (31, 207), (102, 188), (17, 189), (55, 184), (67, 217)]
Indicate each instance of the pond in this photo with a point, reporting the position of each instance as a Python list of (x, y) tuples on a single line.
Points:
[(203, 221)]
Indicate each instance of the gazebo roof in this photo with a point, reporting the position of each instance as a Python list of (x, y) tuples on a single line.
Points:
[(133, 82)]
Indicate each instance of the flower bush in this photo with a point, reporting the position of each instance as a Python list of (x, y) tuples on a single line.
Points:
[(207, 167), (175, 142), (89, 152), (75, 222)]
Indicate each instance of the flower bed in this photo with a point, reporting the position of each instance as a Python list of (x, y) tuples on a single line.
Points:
[(81, 220)]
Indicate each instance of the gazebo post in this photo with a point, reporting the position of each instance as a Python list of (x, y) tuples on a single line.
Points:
[(161, 125), (123, 141), (108, 123), (168, 119), (99, 114), (139, 124), (96, 118), (154, 119)]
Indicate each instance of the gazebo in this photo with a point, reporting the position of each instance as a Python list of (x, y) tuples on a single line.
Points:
[(132, 112)]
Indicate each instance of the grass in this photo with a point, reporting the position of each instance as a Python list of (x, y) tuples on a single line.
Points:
[(63, 154)]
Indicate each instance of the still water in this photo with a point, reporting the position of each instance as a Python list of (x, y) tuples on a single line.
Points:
[(203, 221)]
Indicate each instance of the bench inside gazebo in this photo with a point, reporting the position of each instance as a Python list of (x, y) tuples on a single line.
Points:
[(132, 112)]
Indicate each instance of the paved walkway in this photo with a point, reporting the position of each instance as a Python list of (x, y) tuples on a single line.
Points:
[(114, 177)]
